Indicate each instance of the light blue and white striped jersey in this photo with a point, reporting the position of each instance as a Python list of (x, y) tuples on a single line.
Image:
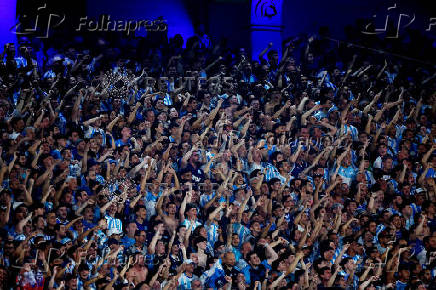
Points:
[(187, 223), (348, 174), (185, 281), (91, 132), (114, 224), (271, 172), (205, 198), (212, 233), (393, 144), (350, 129), (166, 99), (242, 231), (150, 203)]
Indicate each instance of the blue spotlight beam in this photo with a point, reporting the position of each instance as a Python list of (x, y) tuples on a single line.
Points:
[(266, 25), (7, 21)]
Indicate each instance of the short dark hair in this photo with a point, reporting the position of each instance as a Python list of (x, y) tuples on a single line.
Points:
[(83, 267), (138, 232), (322, 270)]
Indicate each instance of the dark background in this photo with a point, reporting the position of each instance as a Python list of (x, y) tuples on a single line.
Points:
[(230, 19)]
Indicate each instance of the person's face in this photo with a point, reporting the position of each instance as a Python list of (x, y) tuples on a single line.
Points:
[(162, 116), (196, 285), (126, 132), (62, 212), (131, 229), (68, 198), (235, 240), (388, 163), (382, 149), (72, 284), (289, 202), (195, 157), (150, 117), (40, 223), (62, 231), (326, 275), (88, 213), (432, 242), (352, 207), (192, 213), (328, 255), (202, 245), (406, 189), (47, 161), (9, 249), (72, 184), (142, 213), (51, 219), (84, 274), (175, 249), (368, 237), (172, 208), (189, 268), (277, 185), (182, 231), (174, 113), (62, 142), (350, 265), (404, 275), (411, 179), (94, 144), (67, 154), (254, 260), (142, 237), (304, 133), (431, 209), (160, 247), (81, 146), (92, 175), (229, 259), (255, 105), (427, 276), (372, 227)]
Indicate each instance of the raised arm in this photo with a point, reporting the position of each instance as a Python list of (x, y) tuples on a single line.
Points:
[(262, 53)]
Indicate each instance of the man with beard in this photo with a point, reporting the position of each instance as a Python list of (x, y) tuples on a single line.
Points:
[(426, 255), (193, 165), (224, 271)]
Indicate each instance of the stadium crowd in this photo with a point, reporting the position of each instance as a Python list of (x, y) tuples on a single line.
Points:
[(308, 170)]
